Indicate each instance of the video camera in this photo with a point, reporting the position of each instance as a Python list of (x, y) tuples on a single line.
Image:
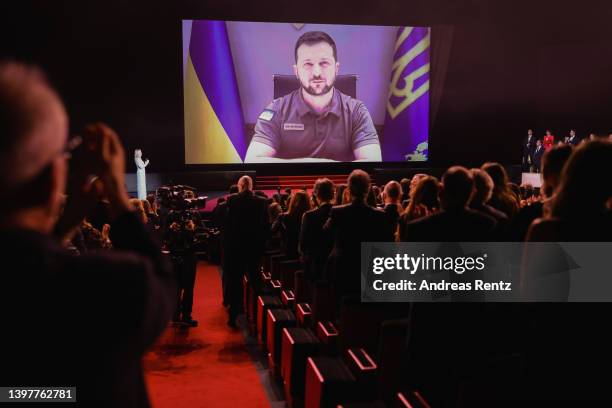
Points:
[(183, 206), (180, 197)]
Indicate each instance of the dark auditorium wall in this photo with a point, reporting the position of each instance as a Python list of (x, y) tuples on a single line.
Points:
[(512, 64)]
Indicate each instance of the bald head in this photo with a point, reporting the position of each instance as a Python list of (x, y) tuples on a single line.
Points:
[(33, 124), (392, 192), (245, 183)]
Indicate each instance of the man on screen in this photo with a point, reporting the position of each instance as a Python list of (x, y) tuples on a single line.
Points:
[(316, 122)]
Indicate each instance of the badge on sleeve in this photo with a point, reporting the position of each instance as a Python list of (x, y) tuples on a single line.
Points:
[(266, 115), (293, 126)]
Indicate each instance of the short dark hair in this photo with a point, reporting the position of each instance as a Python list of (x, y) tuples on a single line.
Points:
[(458, 184), (314, 37), (324, 189), (359, 183)]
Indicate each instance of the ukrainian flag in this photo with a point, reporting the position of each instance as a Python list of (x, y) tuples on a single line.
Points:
[(214, 124), (406, 130)]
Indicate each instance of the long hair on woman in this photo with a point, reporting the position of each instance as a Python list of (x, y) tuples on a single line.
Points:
[(503, 198), (424, 194), (299, 204)]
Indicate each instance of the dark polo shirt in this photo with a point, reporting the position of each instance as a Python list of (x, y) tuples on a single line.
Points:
[(290, 127)]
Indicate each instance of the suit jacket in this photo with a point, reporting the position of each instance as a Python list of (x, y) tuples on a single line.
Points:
[(500, 217), (537, 158), (528, 147), (83, 321), (246, 226), (456, 225), (316, 242), (574, 141), (352, 224), (218, 214)]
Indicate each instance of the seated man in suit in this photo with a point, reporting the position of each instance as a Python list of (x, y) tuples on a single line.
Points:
[(455, 222), (315, 122)]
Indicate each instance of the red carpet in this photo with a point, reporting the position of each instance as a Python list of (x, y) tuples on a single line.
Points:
[(207, 366)]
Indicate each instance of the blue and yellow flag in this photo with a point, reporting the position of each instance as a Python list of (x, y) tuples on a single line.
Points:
[(214, 124), (407, 119)]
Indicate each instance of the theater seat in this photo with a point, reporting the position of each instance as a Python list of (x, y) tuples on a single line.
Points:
[(328, 336), (287, 270), (277, 320), (304, 315), (264, 303), (392, 348), (297, 345), (360, 323), (411, 399), (328, 383), (323, 303)]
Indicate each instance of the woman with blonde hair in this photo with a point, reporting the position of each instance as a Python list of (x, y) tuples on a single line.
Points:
[(141, 182), (423, 201)]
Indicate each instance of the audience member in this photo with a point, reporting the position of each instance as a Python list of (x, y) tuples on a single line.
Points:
[(423, 201), (581, 211), (405, 183), (275, 240), (339, 195), (245, 231), (99, 312), (483, 190), (392, 195), (502, 199), (352, 224), (289, 223), (413, 183), (455, 222), (581, 204), (315, 242), (552, 166)]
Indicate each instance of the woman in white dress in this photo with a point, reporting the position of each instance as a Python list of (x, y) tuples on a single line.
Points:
[(141, 182)]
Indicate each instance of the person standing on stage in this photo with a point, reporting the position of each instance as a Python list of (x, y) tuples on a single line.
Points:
[(549, 140), (141, 182), (528, 148)]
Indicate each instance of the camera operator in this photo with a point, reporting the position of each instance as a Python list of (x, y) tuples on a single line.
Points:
[(180, 239)]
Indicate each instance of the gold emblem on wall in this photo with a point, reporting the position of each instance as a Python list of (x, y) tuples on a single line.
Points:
[(407, 92)]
